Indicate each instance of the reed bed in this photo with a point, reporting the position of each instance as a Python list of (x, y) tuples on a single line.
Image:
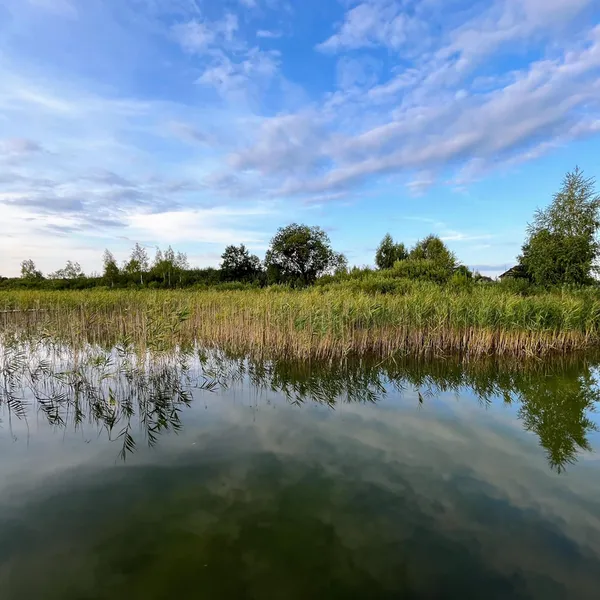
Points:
[(426, 319)]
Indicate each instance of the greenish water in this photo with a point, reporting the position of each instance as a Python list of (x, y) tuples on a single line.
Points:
[(201, 475)]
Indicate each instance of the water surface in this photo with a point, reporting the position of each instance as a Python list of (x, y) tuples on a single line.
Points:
[(202, 475)]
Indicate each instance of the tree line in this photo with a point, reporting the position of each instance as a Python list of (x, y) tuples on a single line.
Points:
[(561, 248)]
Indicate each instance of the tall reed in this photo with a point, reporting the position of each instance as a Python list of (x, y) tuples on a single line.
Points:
[(424, 319)]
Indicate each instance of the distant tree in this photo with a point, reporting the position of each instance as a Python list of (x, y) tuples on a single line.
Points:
[(339, 264), (299, 253), (239, 265), (562, 244), (433, 248), (29, 270), (389, 252), (111, 269), (138, 263), (464, 271), (181, 265), (72, 270)]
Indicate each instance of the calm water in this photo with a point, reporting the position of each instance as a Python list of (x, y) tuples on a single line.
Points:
[(205, 476)]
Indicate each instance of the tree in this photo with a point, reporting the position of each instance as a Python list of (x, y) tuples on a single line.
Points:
[(562, 245), (181, 265), (111, 269), (299, 254), (388, 253), (239, 265), (339, 264), (138, 263), (29, 270), (432, 248), (72, 270)]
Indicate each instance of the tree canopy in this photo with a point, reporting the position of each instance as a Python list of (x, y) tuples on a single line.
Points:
[(562, 245), (433, 248), (389, 252), (72, 270), (239, 265), (300, 254), (29, 270)]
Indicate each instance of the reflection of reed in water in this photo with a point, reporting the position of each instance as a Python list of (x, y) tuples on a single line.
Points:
[(115, 389)]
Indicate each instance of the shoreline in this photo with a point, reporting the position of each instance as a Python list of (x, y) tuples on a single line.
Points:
[(428, 321)]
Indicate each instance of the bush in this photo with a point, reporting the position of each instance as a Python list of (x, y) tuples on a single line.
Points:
[(423, 269)]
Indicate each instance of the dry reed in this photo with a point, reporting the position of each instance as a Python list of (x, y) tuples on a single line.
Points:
[(426, 320)]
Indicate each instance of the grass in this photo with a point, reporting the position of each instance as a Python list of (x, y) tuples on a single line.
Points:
[(327, 321)]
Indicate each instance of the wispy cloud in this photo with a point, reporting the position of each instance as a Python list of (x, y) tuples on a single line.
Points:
[(268, 34), (180, 107), (374, 23)]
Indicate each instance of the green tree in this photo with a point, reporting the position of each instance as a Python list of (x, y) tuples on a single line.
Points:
[(433, 248), (111, 270), (29, 270), (562, 245), (389, 252), (339, 264), (299, 254), (72, 270), (239, 265), (138, 263)]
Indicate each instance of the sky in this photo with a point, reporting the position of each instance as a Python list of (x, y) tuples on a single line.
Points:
[(203, 123)]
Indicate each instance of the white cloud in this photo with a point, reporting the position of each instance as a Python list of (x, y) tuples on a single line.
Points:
[(234, 79), (431, 129), (266, 33), (197, 36), (211, 226), (374, 23), (358, 72)]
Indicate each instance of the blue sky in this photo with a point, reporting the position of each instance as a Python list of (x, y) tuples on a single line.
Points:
[(200, 123)]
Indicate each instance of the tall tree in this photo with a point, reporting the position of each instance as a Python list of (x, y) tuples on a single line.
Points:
[(389, 252), (299, 253), (72, 270), (111, 269), (433, 248), (239, 265), (29, 270), (562, 244), (138, 263)]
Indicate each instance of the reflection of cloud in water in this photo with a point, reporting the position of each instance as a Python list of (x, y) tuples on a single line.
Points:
[(304, 505), (439, 498)]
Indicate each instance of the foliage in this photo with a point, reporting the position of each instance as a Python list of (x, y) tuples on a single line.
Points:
[(29, 270), (432, 248), (389, 252), (562, 245), (72, 270), (239, 265), (423, 269), (138, 263), (345, 315), (299, 254), (111, 270)]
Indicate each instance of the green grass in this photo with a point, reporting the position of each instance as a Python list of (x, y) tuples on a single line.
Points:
[(334, 319)]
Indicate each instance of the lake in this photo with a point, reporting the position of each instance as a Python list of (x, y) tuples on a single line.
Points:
[(202, 474)]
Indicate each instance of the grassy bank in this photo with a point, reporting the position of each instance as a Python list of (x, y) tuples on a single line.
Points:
[(422, 318)]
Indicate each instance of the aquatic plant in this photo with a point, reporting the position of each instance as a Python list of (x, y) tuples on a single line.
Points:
[(322, 322)]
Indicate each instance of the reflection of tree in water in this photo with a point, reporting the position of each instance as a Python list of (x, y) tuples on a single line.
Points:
[(115, 391), (555, 396), (119, 389)]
